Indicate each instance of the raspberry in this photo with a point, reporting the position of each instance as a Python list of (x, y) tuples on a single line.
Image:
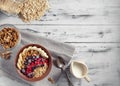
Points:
[(32, 64), (37, 62), (29, 66), (39, 59), (29, 70), (46, 61)]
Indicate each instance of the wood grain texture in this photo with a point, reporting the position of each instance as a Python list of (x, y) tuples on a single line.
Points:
[(92, 26), (103, 63), (76, 12), (77, 34)]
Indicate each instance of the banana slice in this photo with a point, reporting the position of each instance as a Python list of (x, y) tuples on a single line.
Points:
[(19, 66)]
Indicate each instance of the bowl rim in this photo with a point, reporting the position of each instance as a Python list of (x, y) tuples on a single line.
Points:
[(38, 78)]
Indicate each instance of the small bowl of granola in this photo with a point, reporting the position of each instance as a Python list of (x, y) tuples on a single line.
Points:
[(33, 62), (9, 36)]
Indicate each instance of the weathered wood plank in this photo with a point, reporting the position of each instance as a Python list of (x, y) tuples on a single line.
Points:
[(88, 16), (76, 12), (79, 34)]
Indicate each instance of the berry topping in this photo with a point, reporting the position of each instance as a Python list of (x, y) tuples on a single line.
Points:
[(29, 70), (28, 57), (30, 75), (29, 61), (25, 63), (33, 57), (33, 64), (23, 71)]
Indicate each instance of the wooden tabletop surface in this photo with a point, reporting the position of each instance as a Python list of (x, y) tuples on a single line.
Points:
[(92, 26)]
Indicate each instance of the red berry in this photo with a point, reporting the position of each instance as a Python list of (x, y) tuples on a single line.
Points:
[(29, 70), (37, 62), (39, 59), (32, 64), (46, 61), (29, 66), (41, 63)]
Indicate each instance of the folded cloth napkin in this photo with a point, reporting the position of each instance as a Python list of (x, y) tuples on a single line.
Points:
[(55, 48)]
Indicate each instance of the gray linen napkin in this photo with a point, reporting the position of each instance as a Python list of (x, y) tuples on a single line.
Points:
[(55, 48)]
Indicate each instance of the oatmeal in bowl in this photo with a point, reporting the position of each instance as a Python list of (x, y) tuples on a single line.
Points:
[(33, 62), (9, 36)]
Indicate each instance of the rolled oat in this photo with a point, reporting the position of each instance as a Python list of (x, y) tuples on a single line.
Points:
[(33, 10)]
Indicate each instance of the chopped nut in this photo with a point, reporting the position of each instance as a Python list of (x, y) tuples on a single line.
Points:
[(8, 37), (51, 80)]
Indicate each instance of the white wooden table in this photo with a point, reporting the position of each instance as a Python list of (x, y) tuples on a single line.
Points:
[(92, 26)]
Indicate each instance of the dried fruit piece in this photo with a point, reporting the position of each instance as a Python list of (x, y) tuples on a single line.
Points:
[(51, 80)]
